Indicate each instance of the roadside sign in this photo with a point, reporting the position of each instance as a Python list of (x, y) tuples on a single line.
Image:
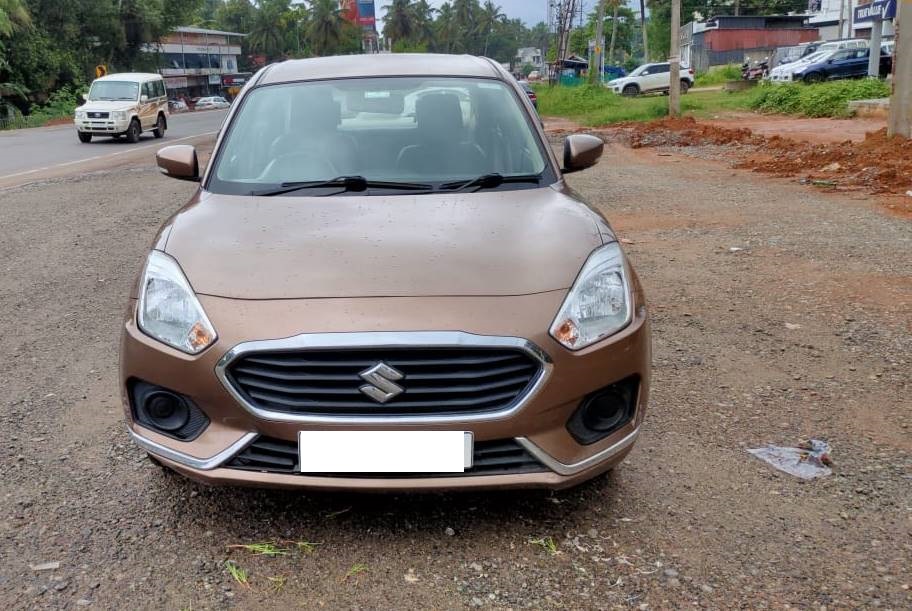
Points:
[(100, 70), (879, 9)]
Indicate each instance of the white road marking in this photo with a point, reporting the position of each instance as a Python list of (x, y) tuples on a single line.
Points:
[(97, 157)]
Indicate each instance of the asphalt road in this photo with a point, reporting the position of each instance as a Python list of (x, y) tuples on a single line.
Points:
[(27, 155)]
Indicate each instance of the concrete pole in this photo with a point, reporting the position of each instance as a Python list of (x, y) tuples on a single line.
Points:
[(598, 71), (674, 91), (901, 103), (643, 28), (842, 4), (874, 57)]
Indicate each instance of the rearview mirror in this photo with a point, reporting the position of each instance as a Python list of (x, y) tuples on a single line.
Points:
[(581, 151), (179, 161)]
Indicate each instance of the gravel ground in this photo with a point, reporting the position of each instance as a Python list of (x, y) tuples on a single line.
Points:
[(780, 313)]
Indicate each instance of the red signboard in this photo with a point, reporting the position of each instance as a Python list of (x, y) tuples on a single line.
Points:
[(349, 10)]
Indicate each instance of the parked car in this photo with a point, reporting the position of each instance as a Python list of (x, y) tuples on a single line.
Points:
[(535, 75), (365, 296), (533, 97), (650, 78), (211, 102), (125, 104), (842, 64), (785, 72)]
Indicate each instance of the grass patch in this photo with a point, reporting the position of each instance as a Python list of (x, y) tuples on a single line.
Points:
[(821, 100), (547, 544), (354, 571), (595, 106), (237, 573), (262, 549), (718, 75)]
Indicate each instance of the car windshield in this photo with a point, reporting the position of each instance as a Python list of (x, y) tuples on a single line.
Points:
[(639, 70), (114, 90), (433, 131)]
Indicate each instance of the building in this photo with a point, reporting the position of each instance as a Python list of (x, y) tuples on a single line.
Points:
[(362, 13), (531, 56), (731, 39), (197, 62), (824, 15)]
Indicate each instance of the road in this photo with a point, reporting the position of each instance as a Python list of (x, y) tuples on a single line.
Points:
[(779, 313), (44, 152)]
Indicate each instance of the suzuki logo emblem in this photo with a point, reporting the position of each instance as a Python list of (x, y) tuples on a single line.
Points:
[(381, 382)]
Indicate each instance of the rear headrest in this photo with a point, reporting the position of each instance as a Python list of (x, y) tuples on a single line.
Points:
[(439, 114), (315, 110)]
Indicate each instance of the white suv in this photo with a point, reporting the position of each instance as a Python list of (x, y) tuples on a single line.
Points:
[(124, 105), (649, 78)]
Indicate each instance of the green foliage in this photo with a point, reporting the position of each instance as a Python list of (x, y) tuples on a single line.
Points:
[(718, 75), (820, 100), (595, 106)]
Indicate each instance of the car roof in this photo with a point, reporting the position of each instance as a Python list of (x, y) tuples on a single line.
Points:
[(130, 76), (383, 64)]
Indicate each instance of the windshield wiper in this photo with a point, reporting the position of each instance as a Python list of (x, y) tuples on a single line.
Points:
[(353, 184), (489, 181)]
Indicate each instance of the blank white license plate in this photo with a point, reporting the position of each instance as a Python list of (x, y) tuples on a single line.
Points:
[(385, 451)]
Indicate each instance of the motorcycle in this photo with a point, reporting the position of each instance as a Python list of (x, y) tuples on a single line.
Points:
[(755, 72)]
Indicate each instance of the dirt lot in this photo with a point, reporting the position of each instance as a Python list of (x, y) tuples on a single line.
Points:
[(779, 312)]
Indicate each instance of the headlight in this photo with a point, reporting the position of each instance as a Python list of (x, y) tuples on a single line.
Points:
[(119, 115), (598, 304), (80, 114), (168, 309)]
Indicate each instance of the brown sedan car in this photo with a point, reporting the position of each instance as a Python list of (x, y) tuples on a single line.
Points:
[(384, 282)]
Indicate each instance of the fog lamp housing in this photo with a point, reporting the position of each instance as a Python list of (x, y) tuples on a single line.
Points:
[(166, 412), (605, 411)]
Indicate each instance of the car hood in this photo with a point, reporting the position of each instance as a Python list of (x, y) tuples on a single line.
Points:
[(495, 243), (107, 105)]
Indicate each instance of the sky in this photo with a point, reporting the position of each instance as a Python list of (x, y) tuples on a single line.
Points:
[(530, 11)]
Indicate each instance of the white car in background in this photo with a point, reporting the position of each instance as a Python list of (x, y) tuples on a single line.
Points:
[(783, 73), (211, 102), (650, 78)]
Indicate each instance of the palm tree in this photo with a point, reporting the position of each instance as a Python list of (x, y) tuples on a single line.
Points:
[(267, 36), (464, 16), (445, 27), (326, 28), (487, 19), (424, 21), (13, 15), (400, 21)]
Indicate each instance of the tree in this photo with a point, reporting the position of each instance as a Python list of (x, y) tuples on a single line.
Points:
[(400, 21), (328, 32), (267, 35), (13, 15), (488, 18), (446, 28)]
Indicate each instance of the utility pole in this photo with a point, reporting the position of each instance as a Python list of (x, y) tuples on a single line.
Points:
[(874, 55), (643, 28), (842, 4), (674, 90), (901, 102), (595, 75)]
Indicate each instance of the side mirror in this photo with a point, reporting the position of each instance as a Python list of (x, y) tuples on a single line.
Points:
[(179, 161), (581, 151), (143, 98)]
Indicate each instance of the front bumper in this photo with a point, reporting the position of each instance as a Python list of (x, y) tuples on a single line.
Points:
[(101, 126), (538, 424)]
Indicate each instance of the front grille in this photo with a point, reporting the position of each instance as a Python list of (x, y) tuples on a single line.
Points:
[(502, 457), (434, 380), (97, 115)]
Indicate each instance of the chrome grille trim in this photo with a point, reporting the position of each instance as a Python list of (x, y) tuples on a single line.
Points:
[(409, 339)]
